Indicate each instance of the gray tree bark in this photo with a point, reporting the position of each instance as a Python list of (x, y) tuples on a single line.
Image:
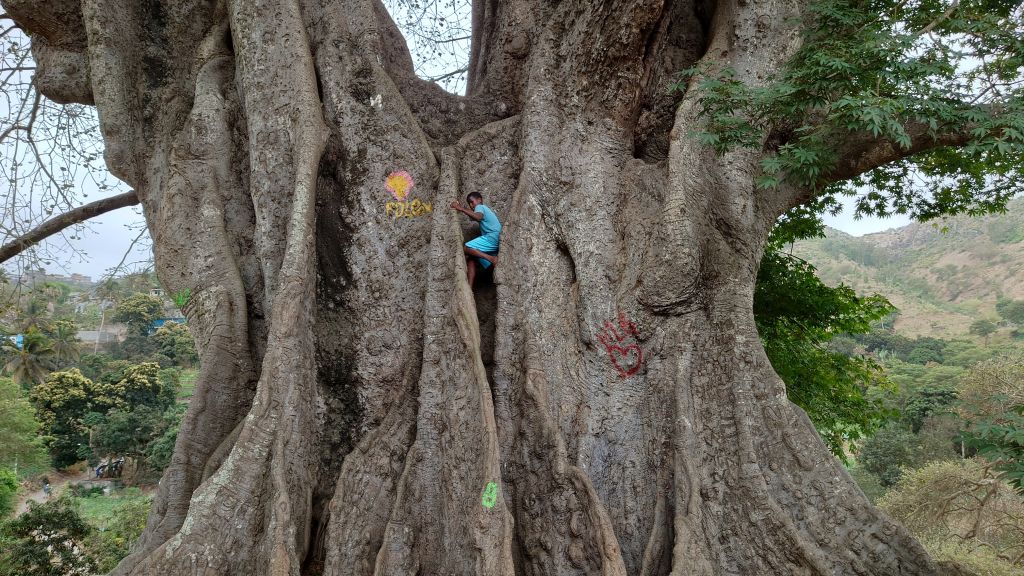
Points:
[(604, 407)]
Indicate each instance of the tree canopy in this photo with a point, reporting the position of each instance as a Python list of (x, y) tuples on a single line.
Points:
[(914, 107), (138, 311)]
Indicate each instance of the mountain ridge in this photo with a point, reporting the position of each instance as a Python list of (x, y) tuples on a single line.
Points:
[(942, 275)]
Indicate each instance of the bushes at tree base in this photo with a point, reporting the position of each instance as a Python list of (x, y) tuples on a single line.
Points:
[(962, 512)]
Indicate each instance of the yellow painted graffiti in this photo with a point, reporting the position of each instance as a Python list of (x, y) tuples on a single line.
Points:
[(408, 209)]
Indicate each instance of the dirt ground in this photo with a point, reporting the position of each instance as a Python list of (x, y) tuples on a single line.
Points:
[(58, 483)]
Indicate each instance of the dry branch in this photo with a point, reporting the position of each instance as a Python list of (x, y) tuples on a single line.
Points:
[(62, 221)]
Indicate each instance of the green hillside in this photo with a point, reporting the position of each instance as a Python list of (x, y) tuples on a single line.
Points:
[(941, 275)]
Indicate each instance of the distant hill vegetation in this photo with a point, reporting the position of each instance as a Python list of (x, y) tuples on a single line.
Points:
[(942, 275)]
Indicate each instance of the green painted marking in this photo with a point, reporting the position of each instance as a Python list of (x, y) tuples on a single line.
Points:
[(490, 496), (181, 297)]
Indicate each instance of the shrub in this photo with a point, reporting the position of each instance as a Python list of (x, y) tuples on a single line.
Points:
[(46, 541), (79, 490), (887, 452), (958, 508), (924, 356)]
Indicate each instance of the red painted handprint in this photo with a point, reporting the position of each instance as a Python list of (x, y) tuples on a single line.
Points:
[(626, 357)]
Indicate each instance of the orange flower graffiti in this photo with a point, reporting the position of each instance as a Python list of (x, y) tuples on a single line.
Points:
[(399, 183)]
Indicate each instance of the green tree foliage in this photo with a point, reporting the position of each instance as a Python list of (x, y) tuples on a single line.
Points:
[(797, 315), (94, 366), (121, 413), (921, 350), (112, 370), (1001, 441), (982, 327), (175, 341), (142, 415), (62, 403), (139, 385), (64, 341), (1011, 310), (135, 348), (926, 401), (146, 433), (912, 377), (888, 452), (905, 73), (138, 311), (126, 432), (32, 362), (926, 349), (47, 540), (8, 491), (159, 450), (21, 447)]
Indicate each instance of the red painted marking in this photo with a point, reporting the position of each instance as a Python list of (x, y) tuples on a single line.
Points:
[(626, 358), (627, 325), (611, 330), (621, 357)]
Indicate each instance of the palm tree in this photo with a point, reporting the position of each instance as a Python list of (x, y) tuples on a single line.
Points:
[(65, 342), (29, 364), (35, 314)]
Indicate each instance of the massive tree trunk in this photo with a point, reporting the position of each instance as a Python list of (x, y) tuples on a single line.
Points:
[(603, 406)]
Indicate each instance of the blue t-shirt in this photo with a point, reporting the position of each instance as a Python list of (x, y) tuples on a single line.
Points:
[(489, 226)]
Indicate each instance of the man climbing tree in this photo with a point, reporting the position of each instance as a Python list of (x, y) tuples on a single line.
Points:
[(345, 421), (485, 246)]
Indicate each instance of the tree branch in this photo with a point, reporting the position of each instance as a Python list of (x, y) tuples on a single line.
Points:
[(864, 152), (62, 221), (447, 75), (939, 20)]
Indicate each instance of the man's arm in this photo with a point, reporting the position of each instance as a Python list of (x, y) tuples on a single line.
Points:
[(474, 215)]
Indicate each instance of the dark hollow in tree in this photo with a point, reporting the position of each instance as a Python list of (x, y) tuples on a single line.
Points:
[(351, 413)]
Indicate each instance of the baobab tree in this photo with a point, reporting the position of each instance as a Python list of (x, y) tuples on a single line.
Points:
[(605, 406)]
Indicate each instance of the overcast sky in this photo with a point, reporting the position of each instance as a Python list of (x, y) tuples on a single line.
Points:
[(105, 244)]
